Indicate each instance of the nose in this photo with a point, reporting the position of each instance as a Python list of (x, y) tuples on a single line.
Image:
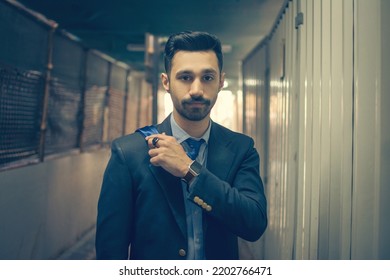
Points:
[(196, 88)]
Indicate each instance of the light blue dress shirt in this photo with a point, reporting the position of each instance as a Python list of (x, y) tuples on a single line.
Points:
[(194, 213)]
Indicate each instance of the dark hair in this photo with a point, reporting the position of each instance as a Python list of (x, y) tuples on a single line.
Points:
[(191, 41)]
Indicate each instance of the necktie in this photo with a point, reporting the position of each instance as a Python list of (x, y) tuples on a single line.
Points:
[(194, 146)]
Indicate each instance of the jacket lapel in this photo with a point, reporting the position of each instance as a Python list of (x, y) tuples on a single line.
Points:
[(171, 185), (220, 158), (173, 192)]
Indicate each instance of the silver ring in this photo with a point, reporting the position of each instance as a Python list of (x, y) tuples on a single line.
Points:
[(154, 141)]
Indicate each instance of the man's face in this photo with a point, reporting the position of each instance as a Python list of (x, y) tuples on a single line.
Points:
[(194, 82)]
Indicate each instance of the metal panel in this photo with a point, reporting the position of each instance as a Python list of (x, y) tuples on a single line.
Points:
[(256, 104), (133, 111), (310, 132), (325, 139), (347, 128), (312, 17), (384, 195), (272, 236), (65, 96), (341, 130), (95, 99), (281, 185), (324, 203), (116, 101), (290, 139), (304, 129), (24, 41), (23, 58), (367, 144)]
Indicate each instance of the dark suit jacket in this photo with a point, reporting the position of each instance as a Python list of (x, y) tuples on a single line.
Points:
[(142, 205)]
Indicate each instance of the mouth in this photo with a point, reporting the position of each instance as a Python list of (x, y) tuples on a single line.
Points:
[(196, 103)]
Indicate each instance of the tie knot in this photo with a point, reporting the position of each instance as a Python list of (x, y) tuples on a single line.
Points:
[(193, 147)]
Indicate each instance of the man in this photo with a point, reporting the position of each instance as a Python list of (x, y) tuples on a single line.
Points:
[(161, 203)]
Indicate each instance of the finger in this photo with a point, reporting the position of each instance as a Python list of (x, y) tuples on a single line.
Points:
[(153, 153), (155, 141), (159, 135), (164, 140), (153, 157)]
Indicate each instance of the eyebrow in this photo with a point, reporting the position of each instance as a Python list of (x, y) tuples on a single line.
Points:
[(204, 71)]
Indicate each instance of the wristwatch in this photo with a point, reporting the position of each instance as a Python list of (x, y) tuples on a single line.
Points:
[(193, 171)]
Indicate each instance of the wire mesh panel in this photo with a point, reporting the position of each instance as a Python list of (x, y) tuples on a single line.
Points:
[(20, 106), (24, 46), (73, 99), (133, 101), (95, 98), (116, 104), (23, 40), (65, 96)]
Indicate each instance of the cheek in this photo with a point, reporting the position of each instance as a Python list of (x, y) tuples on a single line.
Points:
[(174, 97), (178, 87), (214, 100), (178, 91)]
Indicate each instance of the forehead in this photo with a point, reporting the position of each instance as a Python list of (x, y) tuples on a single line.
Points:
[(194, 61)]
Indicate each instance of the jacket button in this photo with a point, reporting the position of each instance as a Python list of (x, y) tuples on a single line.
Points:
[(182, 252)]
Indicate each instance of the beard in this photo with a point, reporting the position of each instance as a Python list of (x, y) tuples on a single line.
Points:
[(192, 112)]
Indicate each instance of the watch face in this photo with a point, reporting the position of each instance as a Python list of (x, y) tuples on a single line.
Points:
[(196, 167), (194, 171)]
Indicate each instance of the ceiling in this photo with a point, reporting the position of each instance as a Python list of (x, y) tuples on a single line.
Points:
[(111, 26)]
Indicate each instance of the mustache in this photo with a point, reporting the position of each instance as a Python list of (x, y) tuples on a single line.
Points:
[(196, 99)]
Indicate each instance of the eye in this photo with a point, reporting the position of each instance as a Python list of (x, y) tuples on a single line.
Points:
[(185, 78), (208, 78)]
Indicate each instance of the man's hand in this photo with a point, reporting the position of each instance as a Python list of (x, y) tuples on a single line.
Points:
[(169, 154)]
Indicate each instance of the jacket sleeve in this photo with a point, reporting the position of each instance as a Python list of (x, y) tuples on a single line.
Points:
[(114, 220), (240, 203)]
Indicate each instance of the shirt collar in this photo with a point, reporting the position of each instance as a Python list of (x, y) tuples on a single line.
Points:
[(181, 135)]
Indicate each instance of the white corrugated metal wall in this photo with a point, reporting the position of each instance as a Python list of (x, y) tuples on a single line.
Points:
[(371, 169), (328, 161), (384, 185), (255, 109), (325, 130)]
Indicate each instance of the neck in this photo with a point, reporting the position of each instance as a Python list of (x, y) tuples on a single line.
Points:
[(193, 128)]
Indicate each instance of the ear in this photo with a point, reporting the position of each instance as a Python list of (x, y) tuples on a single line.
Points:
[(222, 80), (165, 81)]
